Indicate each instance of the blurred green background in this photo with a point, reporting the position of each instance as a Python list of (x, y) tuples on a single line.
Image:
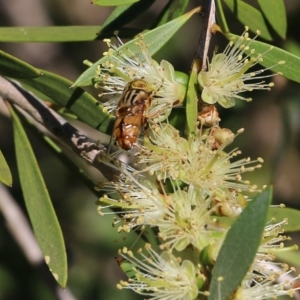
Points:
[(272, 131)]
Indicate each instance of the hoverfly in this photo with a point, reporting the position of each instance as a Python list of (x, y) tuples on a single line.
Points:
[(131, 112)]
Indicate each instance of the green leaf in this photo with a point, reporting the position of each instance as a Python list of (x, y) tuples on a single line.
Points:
[(49, 34), (76, 100), (250, 17), (289, 257), (239, 247), (155, 39), (39, 206), (174, 9), (293, 216), (124, 14), (113, 2), (127, 267), (222, 22), (13, 67), (5, 175), (192, 97), (289, 70), (292, 46), (275, 14), (177, 118), (62, 156)]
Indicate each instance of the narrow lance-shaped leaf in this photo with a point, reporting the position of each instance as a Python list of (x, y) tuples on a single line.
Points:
[(154, 39), (172, 10), (113, 2), (275, 14), (5, 174), (290, 257), (39, 206), (220, 15), (126, 267), (49, 34), (292, 47), (13, 67), (177, 118), (192, 98), (293, 216), (249, 16), (82, 104), (239, 248), (124, 14), (273, 55)]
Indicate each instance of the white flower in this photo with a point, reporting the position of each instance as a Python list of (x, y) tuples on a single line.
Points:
[(195, 161), (273, 239), (123, 66), (272, 243), (226, 76), (266, 278), (187, 220), (161, 277), (182, 217), (268, 286), (140, 200)]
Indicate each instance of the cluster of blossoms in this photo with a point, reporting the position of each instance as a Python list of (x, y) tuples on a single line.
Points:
[(124, 65), (180, 184)]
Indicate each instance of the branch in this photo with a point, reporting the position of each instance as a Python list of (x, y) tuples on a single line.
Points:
[(82, 145), (209, 19)]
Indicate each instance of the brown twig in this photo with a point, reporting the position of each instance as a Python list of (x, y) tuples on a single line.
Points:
[(82, 145), (209, 19)]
